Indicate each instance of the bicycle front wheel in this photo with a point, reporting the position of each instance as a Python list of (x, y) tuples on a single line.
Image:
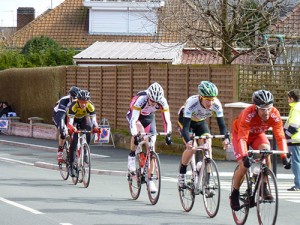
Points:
[(267, 199), (86, 166), (134, 179), (241, 216), (187, 194), (154, 178), (211, 187), (64, 166)]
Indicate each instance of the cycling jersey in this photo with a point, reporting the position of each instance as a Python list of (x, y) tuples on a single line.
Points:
[(193, 114), (194, 110), (139, 107), (63, 104), (76, 112), (248, 125)]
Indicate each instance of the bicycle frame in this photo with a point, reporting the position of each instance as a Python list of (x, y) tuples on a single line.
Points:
[(146, 171), (260, 191), (205, 182)]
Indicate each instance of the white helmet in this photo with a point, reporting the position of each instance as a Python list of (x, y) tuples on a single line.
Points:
[(155, 92)]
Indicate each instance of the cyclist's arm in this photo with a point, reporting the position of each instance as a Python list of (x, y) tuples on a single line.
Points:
[(280, 137), (186, 123), (167, 121), (134, 118), (222, 125)]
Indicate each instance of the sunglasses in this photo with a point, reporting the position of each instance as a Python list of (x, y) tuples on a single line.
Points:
[(211, 99)]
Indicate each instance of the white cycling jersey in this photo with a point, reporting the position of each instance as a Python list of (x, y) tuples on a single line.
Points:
[(194, 110)]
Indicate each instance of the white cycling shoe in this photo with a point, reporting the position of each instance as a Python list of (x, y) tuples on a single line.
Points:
[(152, 187)]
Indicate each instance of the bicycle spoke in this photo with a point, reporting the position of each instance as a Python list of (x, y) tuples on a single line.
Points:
[(211, 188), (187, 195), (86, 169), (134, 180), (267, 199), (64, 166), (241, 216), (154, 177)]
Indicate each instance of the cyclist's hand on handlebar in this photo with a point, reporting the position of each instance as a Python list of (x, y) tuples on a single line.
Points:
[(189, 145), (71, 128), (137, 139), (246, 162), (226, 144), (168, 139), (286, 163), (97, 130)]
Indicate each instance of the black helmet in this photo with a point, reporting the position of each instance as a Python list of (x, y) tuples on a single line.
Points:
[(262, 98), (74, 91), (84, 95)]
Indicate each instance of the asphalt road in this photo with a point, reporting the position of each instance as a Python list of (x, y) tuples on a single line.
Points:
[(32, 191)]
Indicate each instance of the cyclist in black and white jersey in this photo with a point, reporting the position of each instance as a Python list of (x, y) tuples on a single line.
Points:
[(192, 118), (141, 118), (59, 118)]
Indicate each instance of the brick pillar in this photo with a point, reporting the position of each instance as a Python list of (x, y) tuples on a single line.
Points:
[(24, 16)]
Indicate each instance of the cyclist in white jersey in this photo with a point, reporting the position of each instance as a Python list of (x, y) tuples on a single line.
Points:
[(141, 118), (192, 119)]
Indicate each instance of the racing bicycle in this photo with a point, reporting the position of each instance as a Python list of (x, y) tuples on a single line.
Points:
[(258, 181), (205, 181), (147, 169)]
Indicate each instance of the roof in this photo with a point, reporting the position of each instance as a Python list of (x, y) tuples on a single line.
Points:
[(120, 52)]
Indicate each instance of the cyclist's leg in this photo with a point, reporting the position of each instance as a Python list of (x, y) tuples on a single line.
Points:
[(59, 121), (238, 175), (85, 123)]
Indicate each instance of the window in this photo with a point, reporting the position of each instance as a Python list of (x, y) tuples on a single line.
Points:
[(122, 17)]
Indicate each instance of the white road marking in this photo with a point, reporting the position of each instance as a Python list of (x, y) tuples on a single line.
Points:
[(20, 206), (16, 161)]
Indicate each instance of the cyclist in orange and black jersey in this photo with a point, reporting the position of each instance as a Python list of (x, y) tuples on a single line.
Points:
[(82, 115)]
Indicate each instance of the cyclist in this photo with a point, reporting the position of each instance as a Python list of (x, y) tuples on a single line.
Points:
[(192, 119), (59, 118), (82, 115), (249, 130), (141, 118)]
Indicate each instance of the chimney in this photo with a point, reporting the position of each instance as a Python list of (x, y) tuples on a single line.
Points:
[(24, 16)]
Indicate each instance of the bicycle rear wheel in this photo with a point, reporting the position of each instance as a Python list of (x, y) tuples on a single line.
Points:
[(187, 195), (64, 166), (241, 216), (86, 166), (267, 199), (155, 177), (211, 188), (134, 179)]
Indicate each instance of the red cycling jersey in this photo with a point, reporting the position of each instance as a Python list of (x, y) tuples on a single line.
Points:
[(249, 125)]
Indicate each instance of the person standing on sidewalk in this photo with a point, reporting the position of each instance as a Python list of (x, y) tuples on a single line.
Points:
[(292, 134), (59, 118)]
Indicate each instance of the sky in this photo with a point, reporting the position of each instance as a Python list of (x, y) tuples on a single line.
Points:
[(8, 9)]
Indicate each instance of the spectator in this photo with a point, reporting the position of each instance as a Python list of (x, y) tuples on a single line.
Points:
[(6, 108), (292, 134)]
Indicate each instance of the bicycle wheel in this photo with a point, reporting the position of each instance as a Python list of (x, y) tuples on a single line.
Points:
[(134, 180), (267, 199), (187, 195), (241, 216), (211, 188), (64, 166), (155, 177), (86, 166)]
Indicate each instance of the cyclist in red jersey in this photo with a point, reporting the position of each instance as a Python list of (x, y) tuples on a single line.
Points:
[(249, 130)]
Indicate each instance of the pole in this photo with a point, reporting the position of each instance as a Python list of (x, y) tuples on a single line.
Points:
[(274, 156)]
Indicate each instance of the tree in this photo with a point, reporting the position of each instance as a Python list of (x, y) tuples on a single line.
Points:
[(230, 28)]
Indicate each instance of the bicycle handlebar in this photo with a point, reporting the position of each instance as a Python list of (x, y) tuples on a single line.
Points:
[(208, 136), (83, 131), (152, 134), (269, 152)]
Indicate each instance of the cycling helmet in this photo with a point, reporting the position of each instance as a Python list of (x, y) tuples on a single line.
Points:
[(74, 91), (262, 98), (207, 89), (155, 92), (84, 95)]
